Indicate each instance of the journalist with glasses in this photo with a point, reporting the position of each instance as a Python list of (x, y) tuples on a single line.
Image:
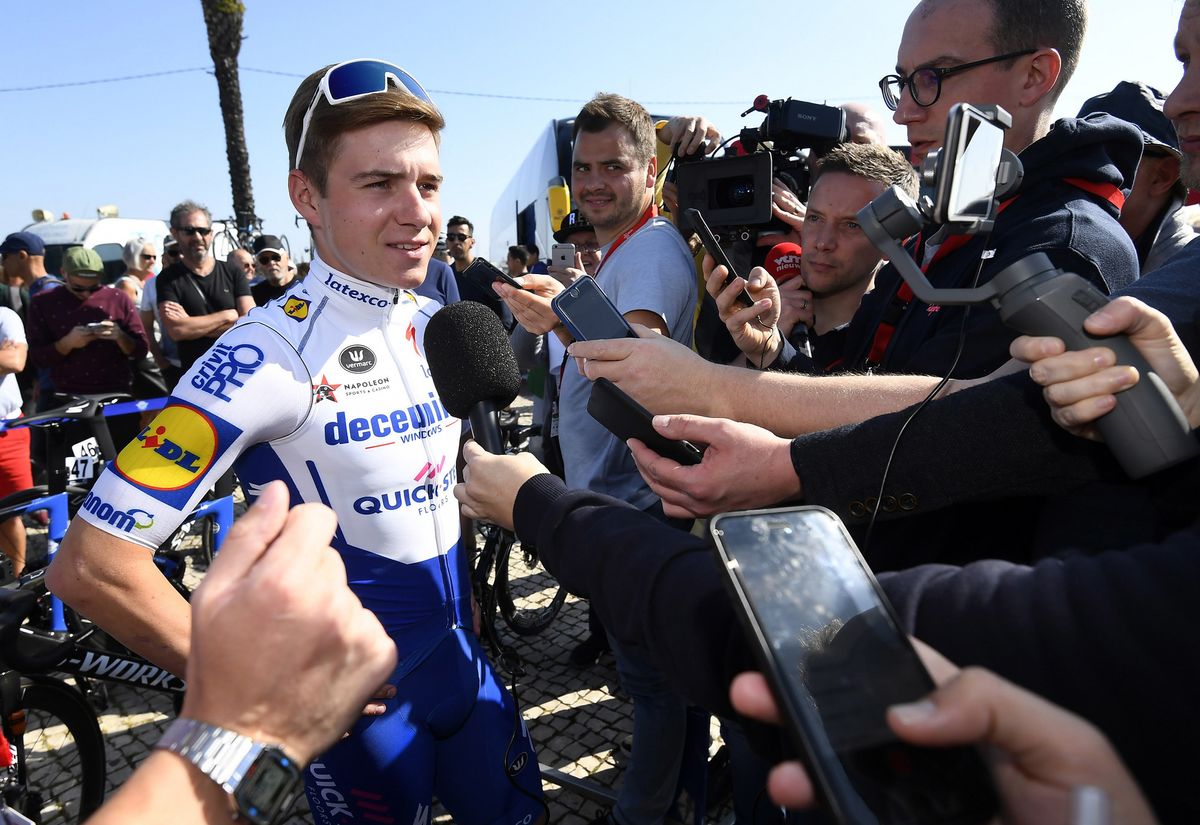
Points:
[(327, 388)]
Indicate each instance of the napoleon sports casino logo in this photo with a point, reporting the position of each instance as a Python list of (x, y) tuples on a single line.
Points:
[(171, 456)]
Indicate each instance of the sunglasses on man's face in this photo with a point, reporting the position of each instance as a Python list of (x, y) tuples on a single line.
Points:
[(456, 236), (146, 257), (86, 288), (202, 231), (269, 258)]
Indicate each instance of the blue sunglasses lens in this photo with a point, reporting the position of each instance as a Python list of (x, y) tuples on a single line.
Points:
[(364, 77)]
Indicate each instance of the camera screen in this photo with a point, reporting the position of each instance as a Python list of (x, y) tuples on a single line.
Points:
[(974, 184)]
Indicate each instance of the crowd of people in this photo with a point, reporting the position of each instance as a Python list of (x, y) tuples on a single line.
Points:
[(1006, 538)]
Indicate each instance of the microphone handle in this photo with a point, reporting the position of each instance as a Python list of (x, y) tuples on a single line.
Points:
[(484, 428)]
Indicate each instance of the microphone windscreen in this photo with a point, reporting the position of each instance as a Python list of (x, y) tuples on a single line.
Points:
[(470, 358), (783, 261)]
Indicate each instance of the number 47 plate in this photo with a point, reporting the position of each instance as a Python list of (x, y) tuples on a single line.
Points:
[(84, 461)]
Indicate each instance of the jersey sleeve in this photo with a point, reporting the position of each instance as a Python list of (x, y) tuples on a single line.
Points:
[(250, 387)]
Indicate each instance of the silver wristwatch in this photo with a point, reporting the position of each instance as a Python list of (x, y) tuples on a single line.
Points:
[(260, 779)]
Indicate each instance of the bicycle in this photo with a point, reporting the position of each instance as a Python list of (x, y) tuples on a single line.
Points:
[(508, 578)]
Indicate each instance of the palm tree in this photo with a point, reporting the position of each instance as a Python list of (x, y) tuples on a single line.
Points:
[(223, 18)]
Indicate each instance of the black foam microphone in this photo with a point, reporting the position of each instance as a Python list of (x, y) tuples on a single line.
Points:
[(473, 367)]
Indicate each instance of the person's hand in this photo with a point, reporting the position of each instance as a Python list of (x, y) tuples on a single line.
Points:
[(744, 467), (79, 336), (107, 331), (1040, 752), (569, 274), (316, 654), (530, 305), (670, 197), (752, 328), (659, 373), (1080, 387), (172, 311), (795, 305), (687, 134), (787, 207), (489, 486)]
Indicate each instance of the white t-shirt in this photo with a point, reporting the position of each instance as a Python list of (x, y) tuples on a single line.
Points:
[(11, 329)]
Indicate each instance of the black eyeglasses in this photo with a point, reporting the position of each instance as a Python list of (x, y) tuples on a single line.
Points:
[(456, 236), (269, 258), (149, 257), (89, 289), (202, 231), (925, 85), (174, 253)]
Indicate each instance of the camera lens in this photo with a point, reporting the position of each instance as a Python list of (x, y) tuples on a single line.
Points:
[(733, 193)]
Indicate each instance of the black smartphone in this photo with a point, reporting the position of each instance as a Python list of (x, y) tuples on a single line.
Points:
[(485, 272), (836, 658), (626, 419), (710, 243), (588, 314)]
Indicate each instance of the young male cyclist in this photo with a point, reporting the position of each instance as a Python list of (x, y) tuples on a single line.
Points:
[(327, 388)]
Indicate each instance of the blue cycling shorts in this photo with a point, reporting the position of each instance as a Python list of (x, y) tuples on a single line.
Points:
[(446, 734)]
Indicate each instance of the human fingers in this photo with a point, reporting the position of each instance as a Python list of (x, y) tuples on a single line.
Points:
[(663, 476), (751, 696), (1033, 348), (788, 785)]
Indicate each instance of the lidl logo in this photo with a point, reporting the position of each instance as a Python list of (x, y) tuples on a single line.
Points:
[(172, 456), (296, 308)]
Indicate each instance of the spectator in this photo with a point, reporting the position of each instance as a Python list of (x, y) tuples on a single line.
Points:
[(460, 241), (244, 261), (199, 297), (864, 125), (15, 470), (534, 263), (1153, 213), (87, 334), (274, 269), (517, 262), (648, 274), (140, 257), (23, 257), (578, 230)]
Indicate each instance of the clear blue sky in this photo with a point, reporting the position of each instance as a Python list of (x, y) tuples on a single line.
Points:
[(146, 144)]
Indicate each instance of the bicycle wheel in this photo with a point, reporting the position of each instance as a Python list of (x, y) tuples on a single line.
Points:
[(528, 596), (60, 754)]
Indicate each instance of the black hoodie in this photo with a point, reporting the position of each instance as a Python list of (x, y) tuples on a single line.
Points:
[(1076, 228)]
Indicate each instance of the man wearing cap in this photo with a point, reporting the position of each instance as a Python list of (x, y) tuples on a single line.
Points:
[(1153, 212), (578, 230), (86, 334), (23, 256), (272, 263)]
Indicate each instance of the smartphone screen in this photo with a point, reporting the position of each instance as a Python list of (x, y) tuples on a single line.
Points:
[(588, 314), (837, 659), (967, 181)]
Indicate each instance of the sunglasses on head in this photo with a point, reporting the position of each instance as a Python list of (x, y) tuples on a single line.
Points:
[(202, 231), (269, 258), (352, 80)]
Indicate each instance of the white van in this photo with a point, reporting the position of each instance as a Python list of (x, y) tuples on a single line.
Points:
[(108, 237)]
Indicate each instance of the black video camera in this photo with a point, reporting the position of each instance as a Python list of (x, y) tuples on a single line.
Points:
[(734, 192)]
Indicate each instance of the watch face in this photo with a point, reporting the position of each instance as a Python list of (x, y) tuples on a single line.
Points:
[(268, 787)]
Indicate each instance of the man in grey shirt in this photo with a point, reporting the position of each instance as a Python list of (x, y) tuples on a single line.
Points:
[(648, 273)]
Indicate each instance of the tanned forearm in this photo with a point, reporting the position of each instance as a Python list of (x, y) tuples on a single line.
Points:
[(199, 326)]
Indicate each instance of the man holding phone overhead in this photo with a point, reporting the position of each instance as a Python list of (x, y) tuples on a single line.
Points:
[(647, 272)]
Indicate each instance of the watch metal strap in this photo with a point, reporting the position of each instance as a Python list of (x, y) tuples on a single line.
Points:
[(222, 755)]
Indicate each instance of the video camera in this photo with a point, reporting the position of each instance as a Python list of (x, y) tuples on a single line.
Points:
[(733, 192)]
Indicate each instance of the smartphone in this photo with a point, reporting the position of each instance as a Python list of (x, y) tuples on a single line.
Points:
[(836, 658), (968, 164), (96, 326), (710, 243), (563, 255), (626, 419), (588, 314), (485, 272)]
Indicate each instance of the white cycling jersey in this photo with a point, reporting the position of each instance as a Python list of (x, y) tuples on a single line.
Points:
[(326, 388)]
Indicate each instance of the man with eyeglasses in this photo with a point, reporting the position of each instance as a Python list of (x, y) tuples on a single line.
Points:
[(273, 265), (199, 297), (328, 389)]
